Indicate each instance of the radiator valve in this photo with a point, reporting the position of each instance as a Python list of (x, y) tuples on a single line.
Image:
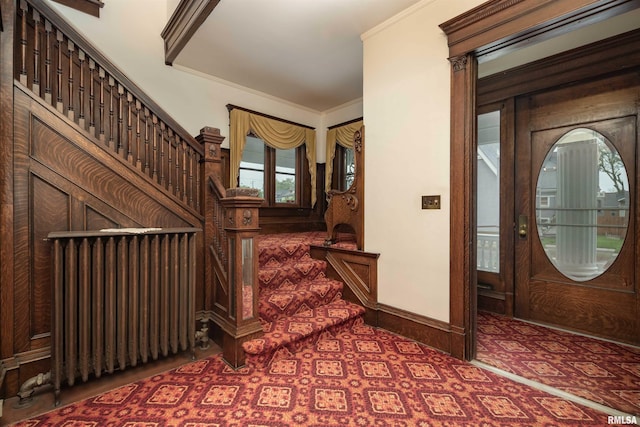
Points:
[(28, 387)]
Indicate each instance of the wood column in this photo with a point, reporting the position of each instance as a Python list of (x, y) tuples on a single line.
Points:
[(210, 166), (463, 211)]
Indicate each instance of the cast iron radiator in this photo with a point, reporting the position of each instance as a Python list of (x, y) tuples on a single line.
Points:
[(121, 297)]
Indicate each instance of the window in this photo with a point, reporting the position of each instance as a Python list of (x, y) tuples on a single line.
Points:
[(252, 165), (276, 173)]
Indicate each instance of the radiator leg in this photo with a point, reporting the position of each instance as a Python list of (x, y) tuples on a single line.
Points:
[(203, 334), (28, 387)]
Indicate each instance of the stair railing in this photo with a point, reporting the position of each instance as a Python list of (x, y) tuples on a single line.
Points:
[(61, 67)]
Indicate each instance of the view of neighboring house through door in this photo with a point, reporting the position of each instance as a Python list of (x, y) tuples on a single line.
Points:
[(556, 205)]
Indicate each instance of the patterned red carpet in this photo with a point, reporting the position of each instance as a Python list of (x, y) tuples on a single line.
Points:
[(360, 377), (597, 370)]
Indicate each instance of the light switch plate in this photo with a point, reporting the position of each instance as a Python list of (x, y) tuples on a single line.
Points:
[(431, 202)]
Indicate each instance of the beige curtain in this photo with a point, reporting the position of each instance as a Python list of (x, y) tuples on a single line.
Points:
[(342, 135), (275, 134)]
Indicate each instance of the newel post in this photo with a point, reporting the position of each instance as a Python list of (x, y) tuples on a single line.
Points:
[(210, 166), (241, 224)]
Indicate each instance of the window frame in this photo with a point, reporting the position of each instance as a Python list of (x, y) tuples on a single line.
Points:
[(269, 185)]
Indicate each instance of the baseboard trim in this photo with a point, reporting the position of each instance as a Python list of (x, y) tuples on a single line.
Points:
[(431, 332)]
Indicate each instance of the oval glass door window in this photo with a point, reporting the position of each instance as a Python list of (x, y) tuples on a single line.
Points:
[(582, 204)]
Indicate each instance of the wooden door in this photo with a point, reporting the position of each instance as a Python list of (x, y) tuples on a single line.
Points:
[(577, 261)]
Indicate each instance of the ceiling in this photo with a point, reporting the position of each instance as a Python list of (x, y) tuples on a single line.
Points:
[(307, 52)]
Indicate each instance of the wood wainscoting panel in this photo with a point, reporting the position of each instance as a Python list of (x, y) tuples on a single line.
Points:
[(64, 180)]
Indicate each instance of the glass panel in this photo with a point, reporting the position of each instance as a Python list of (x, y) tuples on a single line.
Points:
[(232, 278), (252, 165), (582, 198), (488, 200), (286, 176), (247, 279), (349, 167)]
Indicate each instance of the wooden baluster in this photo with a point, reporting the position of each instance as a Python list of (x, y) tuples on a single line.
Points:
[(23, 42), (120, 130), (92, 98), (111, 113), (35, 87), (81, 118), (59, 102), (101, 76), (161, 161), (179, 187), (185, 173), (146, 141), (129, 128), (197, 162), (138, 160), (154, 119), (190, 179), (170, 161), (70, 109), (47, 62)]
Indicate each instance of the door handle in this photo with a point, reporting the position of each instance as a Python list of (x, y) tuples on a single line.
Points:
[(523, 226)]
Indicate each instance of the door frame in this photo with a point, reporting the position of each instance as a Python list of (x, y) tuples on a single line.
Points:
[(492, 29)]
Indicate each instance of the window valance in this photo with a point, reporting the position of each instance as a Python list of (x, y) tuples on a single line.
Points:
[(274, 133), (342, 135)]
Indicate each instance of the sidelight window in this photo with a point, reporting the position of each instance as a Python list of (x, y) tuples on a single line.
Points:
[(488, 181)]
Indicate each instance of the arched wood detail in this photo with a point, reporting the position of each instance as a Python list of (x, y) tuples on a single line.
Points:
[(347, 207)]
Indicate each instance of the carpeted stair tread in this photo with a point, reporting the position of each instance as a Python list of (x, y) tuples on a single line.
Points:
[(291, 298), (287, 246), (297, 303), (283, 247), (306, 323), (289, 273)]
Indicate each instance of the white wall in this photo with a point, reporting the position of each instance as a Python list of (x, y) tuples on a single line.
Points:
[(128, 33), (406, 112)]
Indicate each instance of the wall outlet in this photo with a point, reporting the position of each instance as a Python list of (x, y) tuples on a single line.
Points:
[(431, 202)]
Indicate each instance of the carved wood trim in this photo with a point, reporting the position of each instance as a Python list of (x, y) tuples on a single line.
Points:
[(500, 26), (182, 25)]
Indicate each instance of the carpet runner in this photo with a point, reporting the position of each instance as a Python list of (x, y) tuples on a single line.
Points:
[(297, 302), (600, 371), (360, 376)]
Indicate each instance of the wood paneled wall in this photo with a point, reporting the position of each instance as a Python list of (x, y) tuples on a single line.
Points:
[(64, 181)]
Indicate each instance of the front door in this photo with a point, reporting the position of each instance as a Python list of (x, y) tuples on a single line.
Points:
[(576, 231)]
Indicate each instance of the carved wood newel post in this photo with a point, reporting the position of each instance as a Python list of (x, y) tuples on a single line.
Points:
[(231, 261), (241, 224), (210, 140)]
